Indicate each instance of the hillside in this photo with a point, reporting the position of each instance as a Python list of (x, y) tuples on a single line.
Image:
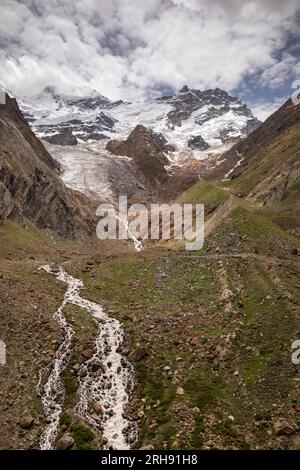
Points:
[(30, 187), (264, 168)]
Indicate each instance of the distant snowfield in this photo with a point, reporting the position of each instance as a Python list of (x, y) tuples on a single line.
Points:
[(152, 115), (89, 168), (52, 112)]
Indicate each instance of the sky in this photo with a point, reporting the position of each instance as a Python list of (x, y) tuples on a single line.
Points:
[(138, 50)]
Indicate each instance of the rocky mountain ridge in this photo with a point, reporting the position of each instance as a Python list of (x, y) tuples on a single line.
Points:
[(194, 128), (149, 154), (30, 186), (265, 167), (186, 115)]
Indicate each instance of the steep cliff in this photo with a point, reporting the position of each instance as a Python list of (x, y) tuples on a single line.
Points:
[(30, 187), (147, 151)]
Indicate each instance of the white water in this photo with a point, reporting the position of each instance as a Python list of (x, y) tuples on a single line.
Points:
[(107, 378), (138, 245)]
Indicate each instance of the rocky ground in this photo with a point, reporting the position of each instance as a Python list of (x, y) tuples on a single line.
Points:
[(28, 299), (209, 334), (211, 339)]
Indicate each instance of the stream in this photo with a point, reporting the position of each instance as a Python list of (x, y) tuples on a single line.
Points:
[(106, 379), (138, 245)]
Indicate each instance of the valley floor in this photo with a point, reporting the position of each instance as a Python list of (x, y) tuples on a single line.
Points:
[(209, 334)]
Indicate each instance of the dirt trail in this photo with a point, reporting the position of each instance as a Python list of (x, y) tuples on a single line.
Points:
[(265, 258)]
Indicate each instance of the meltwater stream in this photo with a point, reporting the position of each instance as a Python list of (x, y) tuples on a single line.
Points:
[(138, 245), (106, 379)]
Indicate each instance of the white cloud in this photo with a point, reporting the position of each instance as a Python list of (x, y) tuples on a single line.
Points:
[(263, 109), (128, 48)]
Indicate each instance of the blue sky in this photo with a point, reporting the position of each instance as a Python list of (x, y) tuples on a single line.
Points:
[(136, 50)]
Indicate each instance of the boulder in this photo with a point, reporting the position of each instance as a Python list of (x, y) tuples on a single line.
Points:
[(98, 408), (65, 442), (138, 354), (26, 422)]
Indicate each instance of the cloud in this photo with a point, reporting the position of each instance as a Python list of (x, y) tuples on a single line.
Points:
[(131, 49), (263, 109)]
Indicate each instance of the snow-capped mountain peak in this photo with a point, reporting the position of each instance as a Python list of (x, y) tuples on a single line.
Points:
[(212, 118)]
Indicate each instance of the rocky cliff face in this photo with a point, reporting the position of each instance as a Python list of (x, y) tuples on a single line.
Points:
[(207, 104), (148, 153), (30, 187), (63, 138)]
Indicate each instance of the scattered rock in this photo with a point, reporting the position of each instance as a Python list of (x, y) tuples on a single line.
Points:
[(96, 366), (194, 341), (283, 427), (26, 422), (179, 391), (222, 353), (96, 418), (138, 354), (98, 408), (226, 294), (65, 442), (87, 353)]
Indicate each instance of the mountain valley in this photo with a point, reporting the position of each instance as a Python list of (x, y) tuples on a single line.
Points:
[(208, 332)]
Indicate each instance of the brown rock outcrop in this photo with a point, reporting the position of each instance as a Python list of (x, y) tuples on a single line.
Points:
[(30, 187)]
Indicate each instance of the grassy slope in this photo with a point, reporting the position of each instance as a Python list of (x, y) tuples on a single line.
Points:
[(282, 150), (28, 299), (247, 228), (205, 193), (228, 350), (240, 363)]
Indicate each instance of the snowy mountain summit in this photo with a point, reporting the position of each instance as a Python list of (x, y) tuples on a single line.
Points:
[(207, 121), (192, 127)]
